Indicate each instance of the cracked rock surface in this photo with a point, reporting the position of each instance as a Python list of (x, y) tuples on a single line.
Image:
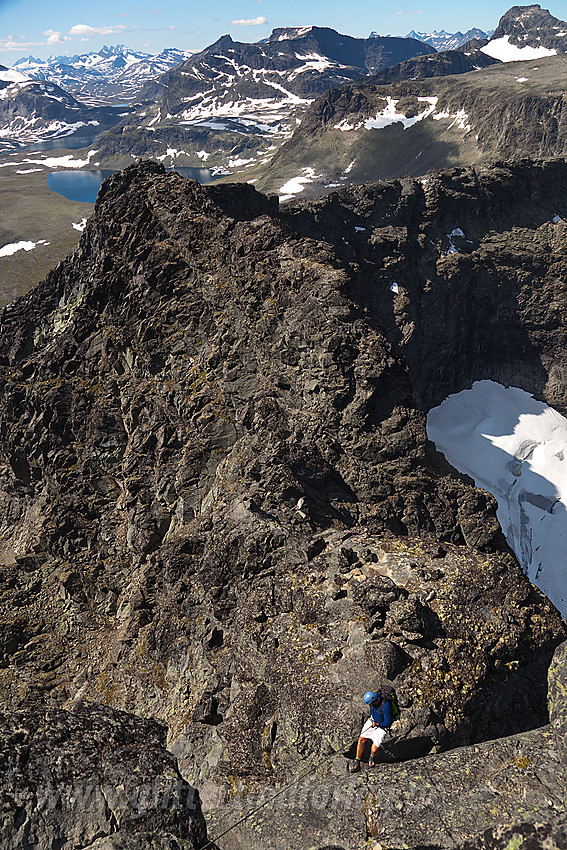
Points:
[(514, 787), (218, 504)]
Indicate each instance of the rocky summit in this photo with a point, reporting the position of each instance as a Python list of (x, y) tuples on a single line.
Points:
[(531, 26), (220, 510)]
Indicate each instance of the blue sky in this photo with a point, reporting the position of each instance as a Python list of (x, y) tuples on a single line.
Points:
[(45, 27)]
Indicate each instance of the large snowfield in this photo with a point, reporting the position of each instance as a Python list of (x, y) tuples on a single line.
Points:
[(516, 448), (502, 49)]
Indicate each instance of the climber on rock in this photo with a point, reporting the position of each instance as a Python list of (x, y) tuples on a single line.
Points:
[(375, 727)]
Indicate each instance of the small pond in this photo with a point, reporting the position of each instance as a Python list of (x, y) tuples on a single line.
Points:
[(84, 185)]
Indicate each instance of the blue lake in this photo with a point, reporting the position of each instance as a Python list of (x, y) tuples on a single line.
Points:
[(84, 185)]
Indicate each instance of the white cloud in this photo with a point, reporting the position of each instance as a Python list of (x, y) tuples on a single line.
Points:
[(10, 43), (54, 37), (250, 22), (85, 30)]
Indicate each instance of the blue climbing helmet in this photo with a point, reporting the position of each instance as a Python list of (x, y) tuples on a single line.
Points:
[(369, 697)]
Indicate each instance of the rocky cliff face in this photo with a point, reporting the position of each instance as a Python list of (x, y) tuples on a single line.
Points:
[(470, 304), (218, 502), (532, 26)]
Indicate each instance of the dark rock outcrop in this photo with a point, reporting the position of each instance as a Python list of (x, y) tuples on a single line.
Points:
[(218, 502), (92, 778), (484, 304)]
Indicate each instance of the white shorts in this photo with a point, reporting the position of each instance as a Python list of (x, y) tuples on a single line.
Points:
[(375, 734)]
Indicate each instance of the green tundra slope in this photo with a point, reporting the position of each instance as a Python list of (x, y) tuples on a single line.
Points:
[(364, 132)]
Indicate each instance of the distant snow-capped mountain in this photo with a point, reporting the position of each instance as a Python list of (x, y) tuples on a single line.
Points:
[(39, 110), (442, 40), (114, 74)]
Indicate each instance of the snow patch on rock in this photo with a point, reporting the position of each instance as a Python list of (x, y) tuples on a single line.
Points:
[(14, 247), (500, 48), (296, 184), (516, 448), (459, 119), (390, 115)]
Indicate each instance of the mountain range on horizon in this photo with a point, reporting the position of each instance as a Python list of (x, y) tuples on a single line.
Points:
[(234, 103), (442, 40), (110, 60), (112, 75)]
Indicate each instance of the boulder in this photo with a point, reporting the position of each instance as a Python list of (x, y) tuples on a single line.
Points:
[(92, 777)]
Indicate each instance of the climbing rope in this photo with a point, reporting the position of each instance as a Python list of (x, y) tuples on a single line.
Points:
[(302, 776)]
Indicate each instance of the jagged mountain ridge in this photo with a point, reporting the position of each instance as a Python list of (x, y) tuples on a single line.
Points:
[(218, 500), (441, 40), (112, 75), (366, 132), (235, 100), (32, 111)]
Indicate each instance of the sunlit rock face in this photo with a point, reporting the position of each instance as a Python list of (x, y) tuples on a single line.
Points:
[(514, 447)]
